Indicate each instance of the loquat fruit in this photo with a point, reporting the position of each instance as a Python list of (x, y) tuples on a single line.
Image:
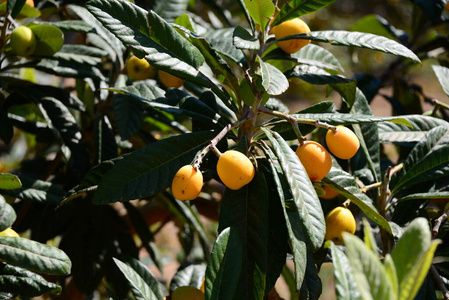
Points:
[(316, 160), (339, 220), (291, 27), (187, 183), (170, 81), (342, 142), (139, 68), (329, 193), (235, 169), (9, 232), (187, 292), (23, 41)]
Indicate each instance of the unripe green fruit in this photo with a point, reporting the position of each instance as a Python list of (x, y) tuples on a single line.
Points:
[(235, 169), (23, 41)]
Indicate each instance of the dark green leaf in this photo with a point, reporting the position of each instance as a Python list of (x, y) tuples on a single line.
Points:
[(7, 129), (430, 195), (304, 196), (244, 40), (81, 54), (297, 8), (139, 287), (143, 272), (37, 190), (189, 275), (346, 185), (397, 133), (358, 39), (221, 41), (169, 9), (69, 69), (34, 256), (150, 169), (225, 266), (315, 55), (296, 234), (246, 209), (24, 283), (345, 285), (71, 25), (315, 75), (7, 214)]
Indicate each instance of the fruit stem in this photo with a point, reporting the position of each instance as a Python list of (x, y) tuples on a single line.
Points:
[(346, 203)]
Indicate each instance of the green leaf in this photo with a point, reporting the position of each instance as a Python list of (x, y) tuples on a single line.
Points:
[(7, 214), (430, 195), (368, 237), (150, 169), (49, 39), (191, 274), (345, 285), (411, 284), (371, 24), (81, 54), (243, 39), (24, 283), (273, 80), (34, 256), (221, 40), (169, 9), (260, 11), (71, 25), (369, 273), (9, 182), (357, 39), (316, 75), (297, 8), (346, 185), (428, 160), (414, 242), (397, 133), (169, 38), (69, 69), (345, 119), (390, 269), (246, 209), (304, 196), (139, 287), (224, 266), (292, 218), (443, 77), (37, 190)]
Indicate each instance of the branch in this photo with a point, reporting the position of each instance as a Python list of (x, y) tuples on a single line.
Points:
[(440, 282)]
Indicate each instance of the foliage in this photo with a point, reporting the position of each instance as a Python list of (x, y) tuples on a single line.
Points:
[(85, 149)]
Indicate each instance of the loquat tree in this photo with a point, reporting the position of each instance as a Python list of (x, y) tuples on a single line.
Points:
[(110, 110)]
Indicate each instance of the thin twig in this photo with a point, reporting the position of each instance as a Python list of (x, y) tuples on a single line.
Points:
[(440, 282), (438, 222)]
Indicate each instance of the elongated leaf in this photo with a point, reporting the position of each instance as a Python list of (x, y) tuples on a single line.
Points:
[(273, 80), (434, 164), (71, 25), (169, 9), (430, 195), (37, 190), (443, 77), (315, 55), (144, 273), (357, 39), (9, 182), (260, 11), (292, 218), (369, 273), (346, 185), (345, 284), (304, 196), (246, 209), (34, 256), (390, 269), (139, 287), (190, 274), (69, 69), (316, 75), (225, 265), (22, 282), (81, 54), (49, 39), (150, 169), (397, 133), (415, 241), (129, 23), (7, 214), (221, 41), (244, 40), (297, 8), (368, 237), (411, 284)]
